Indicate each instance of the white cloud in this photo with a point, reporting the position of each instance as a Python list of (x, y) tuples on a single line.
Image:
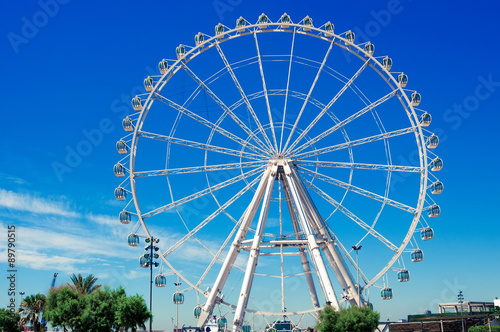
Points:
[(104, 220), (10, 178), (136, 274), (29, 203), (61, 240), (42, 261), (39, 239)]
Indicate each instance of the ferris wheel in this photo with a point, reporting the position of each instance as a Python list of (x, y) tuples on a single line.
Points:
[(264, 157)]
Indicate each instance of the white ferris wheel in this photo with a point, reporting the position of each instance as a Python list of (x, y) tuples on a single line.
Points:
[(265, 156)]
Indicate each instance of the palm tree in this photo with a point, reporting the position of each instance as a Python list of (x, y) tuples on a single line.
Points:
[(31, 310), (83, 286)]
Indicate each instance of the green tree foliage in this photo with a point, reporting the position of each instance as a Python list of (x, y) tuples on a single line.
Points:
[(352, 319), (328, 319), (101, 310), (132, 312), (9, 320), (66, 308), (31, 311), (101, 307), (83, 286)]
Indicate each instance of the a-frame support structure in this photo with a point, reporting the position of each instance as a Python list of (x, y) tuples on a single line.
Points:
[(308, 225)]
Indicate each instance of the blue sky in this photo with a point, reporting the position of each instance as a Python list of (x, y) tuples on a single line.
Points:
[(70, 70)]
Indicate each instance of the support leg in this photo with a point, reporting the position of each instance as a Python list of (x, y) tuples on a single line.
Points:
[(239, 314), (234, 250)]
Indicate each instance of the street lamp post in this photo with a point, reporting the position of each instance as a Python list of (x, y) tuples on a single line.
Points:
[(177, 284), (357, 248), (460, 297), (20, 303), (151, 241)]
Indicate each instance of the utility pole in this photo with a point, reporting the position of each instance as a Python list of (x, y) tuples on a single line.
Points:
[(357, 248), (150, 256), (460, 297)]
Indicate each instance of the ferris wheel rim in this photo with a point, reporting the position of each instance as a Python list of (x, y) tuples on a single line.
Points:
[(231, 34)]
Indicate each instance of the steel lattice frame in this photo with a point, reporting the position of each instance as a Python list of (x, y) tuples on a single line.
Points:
[(278, 160)]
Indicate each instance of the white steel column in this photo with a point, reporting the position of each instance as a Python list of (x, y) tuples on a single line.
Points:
[(332, 253), (303, 256), (311, 239), (235, 249), (239, 314)]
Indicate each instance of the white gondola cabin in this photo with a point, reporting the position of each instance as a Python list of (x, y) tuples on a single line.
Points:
[(415, 99), (144, 261), (349, 36), (178, 298), (403, 275), (263, 21), (121, 147), (120, 194), (149, 84), (436, 164), (240, 24), (119, 170), (133, 240), (136, 103), (369, 49), (307, 22), (285, 21), (219, 30), (128, 124), (432, 141), (387, 63), (163, 66), (437, 188), (425, 119), (427, 234), (160, 280), (199, 38), (180, 51), (417, 255), (386, 293), (125, 217), (197, 312), (433, 211), (329, 29), (221, 323), (402, 80)]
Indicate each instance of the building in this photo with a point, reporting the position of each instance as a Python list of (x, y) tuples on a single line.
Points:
[(452, 317)]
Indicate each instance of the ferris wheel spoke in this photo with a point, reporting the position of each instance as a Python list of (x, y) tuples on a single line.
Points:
[(271, 123), (221, 249), (242, 93), (354, 143), (201, 193), (329, 105), (287, 89), (201, 146), (225, 108), (381, 167), (208, 124), (352, 216), (197, 169), (359, 190), (309, 95), (211, 217), (344, 122)]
